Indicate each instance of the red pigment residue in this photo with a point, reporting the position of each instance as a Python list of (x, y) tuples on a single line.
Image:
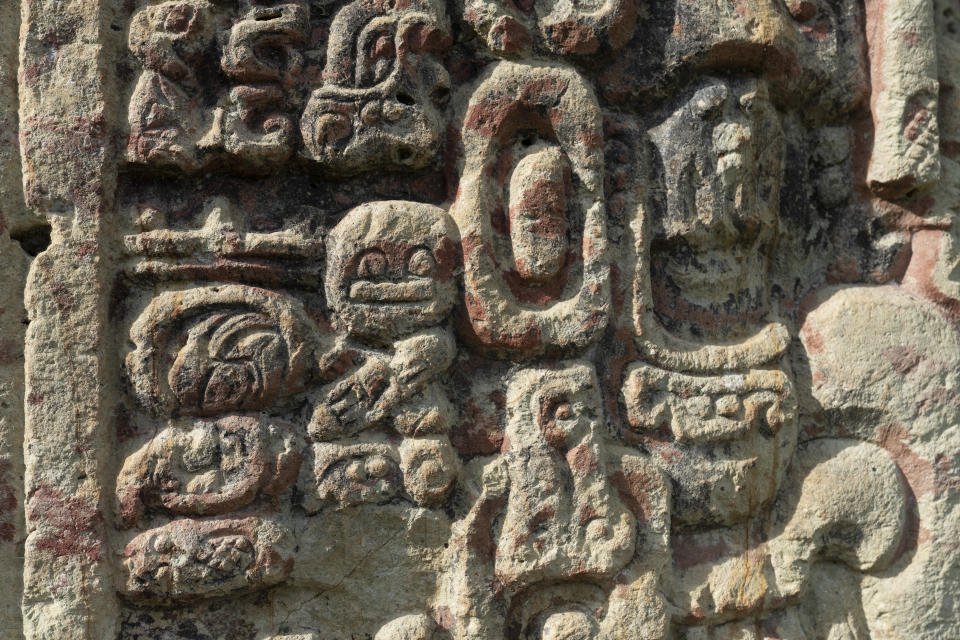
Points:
[(633, 489), (918, 122), (479, 432), (131, 506), (511, 36), (587, 513), (581, 459), (72, 524), (429, 39), (525, 338), (62, 297), (85, 249), (542, 91), (473, 243), (574, 37), (925, 247), (623, 24), (487, 116), (479, 538), (490, 116), (902, 359), (812, 339), (590, 138), (918, 472), (548, 293), (505, 447), (688, 552)]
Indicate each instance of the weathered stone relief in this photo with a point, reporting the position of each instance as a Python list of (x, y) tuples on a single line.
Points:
[(566, 541), (566, 28), (530, 209), (384, 88), (703, 249), (482, 320)]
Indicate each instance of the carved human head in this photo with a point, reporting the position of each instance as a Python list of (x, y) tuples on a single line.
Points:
[(390, 269), (715, 209)]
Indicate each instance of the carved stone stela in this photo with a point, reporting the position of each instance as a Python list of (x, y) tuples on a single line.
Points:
[(480, 319)]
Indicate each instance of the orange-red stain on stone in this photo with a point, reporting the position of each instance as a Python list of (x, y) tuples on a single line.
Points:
[(69, 524), (581, 459), (634, 490)]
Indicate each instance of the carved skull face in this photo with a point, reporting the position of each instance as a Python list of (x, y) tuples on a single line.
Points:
[(384, 87), (390, 269)]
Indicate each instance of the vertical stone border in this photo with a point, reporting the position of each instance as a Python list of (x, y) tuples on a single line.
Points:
[(13, 263), (69, 177), (903, 73), (15, 219)]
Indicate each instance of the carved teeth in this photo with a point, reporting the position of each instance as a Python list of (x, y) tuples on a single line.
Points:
[(417, 291)]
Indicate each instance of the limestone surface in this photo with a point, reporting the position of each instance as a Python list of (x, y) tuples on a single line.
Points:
[(480, 319)]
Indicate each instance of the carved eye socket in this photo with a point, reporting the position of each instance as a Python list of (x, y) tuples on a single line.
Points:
[(421, 263), (563, 411), (372, 265)]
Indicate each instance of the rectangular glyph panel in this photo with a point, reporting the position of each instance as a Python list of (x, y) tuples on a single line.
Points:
[(478, 320)]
